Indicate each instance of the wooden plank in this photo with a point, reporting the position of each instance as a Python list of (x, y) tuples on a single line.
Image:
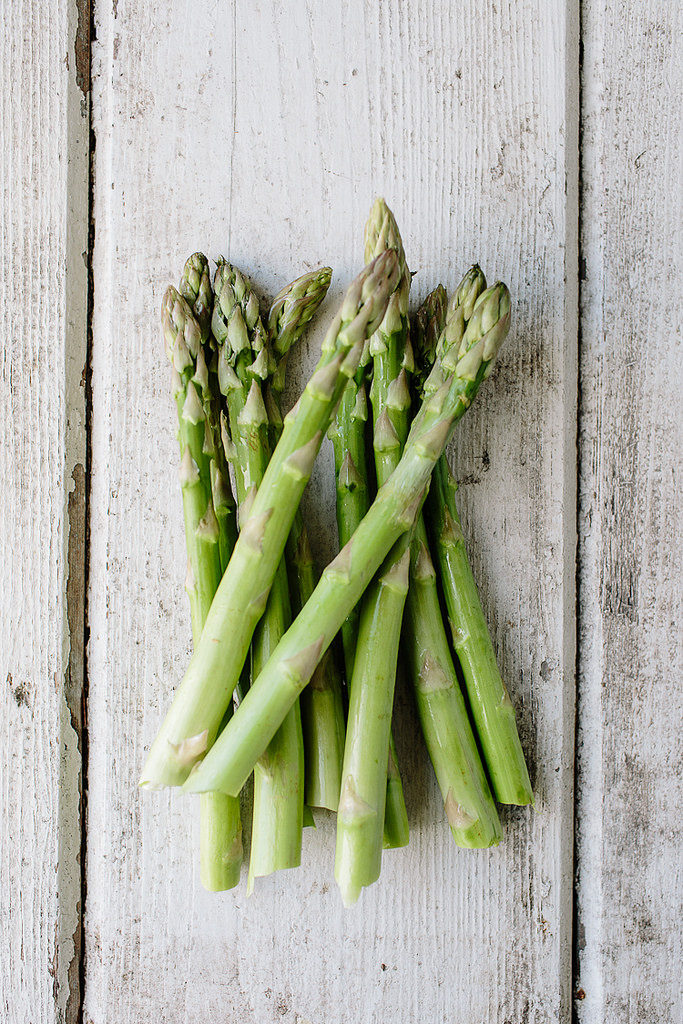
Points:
[(44, 121), (264, 132), (629, 753)]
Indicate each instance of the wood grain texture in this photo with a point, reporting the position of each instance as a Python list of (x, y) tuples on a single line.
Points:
[(43, 248), (263, 131), (630, 896)]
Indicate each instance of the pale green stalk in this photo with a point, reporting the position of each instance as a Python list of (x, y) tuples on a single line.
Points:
[(448, 735), (360, 821), (244, 371), (220, 824), (322, 712), (390, 400), (492, 709), (489, 701)]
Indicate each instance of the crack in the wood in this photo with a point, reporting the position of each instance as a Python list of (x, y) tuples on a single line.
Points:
[(577, 929), (76, 684)]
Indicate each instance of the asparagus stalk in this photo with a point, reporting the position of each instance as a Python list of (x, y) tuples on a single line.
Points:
[(452, 748), (244, 369), (489, 701), (277, 822), (454, 382), (220, 824), (322, 712), (492, 709), (390, 401), (440, 706), (364, 790), (191, 726), (220, 831), (347, 433), (353, 497)]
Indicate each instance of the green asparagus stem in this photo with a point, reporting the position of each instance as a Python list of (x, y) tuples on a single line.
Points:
[(220, 841), (443, 716), (390, 400), (220, 831), (347, 433), (452, 748), (220, 824), (277, 822), (361, 814), (453, 384), (244, 369), (322, 711), (353, 494), (489, 701), (191, 726)]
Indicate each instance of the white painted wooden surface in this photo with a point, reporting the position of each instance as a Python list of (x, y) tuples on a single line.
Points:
[(43, 229), (629, 754), (264, 132), (264, 135)]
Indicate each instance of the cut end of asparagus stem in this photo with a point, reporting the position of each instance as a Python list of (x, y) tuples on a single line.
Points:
[(220, 842)]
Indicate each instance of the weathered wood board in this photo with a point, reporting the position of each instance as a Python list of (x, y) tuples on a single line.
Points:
[(44, 119), (263, 132), (629, 754)]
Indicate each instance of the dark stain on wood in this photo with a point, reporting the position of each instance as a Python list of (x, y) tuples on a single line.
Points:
[(74, 687), (19, 691), (82, 46), (75, 600)]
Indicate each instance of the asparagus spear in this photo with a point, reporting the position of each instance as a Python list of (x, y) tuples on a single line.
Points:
[(347, 433), (322, 712), (277, 822), (440, 706), (453, 383), (361, 816), (390, 400), (220, 825), (191, 725), (492, 709), (489, 701), (443, 716), (364, 789), (245, 364)]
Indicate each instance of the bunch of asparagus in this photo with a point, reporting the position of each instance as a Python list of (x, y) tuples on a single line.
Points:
[(265, 625)]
